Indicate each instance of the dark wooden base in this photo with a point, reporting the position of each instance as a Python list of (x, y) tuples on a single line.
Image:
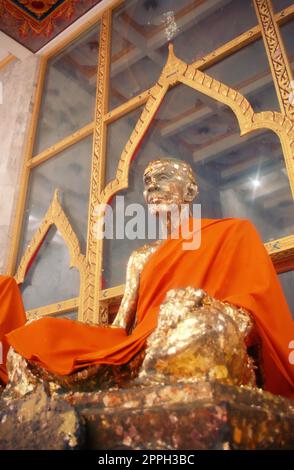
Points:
[(205, 415)]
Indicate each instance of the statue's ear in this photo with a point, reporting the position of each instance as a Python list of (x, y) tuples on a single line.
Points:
[(191, 193)]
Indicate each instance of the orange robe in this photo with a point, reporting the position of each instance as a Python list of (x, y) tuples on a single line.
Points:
[(231, 265), (12, 315)]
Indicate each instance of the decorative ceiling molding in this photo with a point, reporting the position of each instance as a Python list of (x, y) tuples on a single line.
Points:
[(34, 23)]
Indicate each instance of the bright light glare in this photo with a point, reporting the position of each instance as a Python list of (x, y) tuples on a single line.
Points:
[(255, 183)]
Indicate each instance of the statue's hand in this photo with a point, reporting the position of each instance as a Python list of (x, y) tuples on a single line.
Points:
[(197, 338)]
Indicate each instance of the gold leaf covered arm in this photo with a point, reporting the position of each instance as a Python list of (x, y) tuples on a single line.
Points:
[(127, 311)]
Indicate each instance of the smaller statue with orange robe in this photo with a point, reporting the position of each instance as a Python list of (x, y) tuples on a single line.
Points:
[(12, 316)]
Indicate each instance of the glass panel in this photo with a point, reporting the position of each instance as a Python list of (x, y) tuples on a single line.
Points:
[(142, 30), (118, 134), (287, 281), (50, 279), (238, 176), (71, 315), (248, 71), (279, 5), (68, 98), (287, 31), (70, 172)]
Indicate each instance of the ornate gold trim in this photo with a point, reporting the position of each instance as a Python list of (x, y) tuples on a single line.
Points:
[(281, 250), (228, 48), (82, 29), (121, 110), (156, 95), (177, 71), (278, 60), (54, 216), (275, 247), (104, 312), (54, 309), (285, 15), (112, 292), (210, 59), (98, 166), (213, 57)]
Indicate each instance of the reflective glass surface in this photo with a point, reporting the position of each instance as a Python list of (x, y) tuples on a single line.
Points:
[(279, 5), (287, 281), (141, 31), (69, 171), (68, 97), (118, 134), (49, 279), (287, 32), (71, 315), (248, 71)]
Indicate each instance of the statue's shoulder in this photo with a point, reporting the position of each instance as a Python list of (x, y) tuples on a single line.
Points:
[(229, 221), (143, 252), (239, 228), (231, 227), (239, 222)]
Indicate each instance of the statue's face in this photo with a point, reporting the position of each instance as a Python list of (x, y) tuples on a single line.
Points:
[(165, 184)]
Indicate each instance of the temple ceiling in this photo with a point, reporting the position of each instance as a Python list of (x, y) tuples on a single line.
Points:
[(34, 23)]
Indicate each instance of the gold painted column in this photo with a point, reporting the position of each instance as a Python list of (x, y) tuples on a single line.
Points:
[(90, 304)]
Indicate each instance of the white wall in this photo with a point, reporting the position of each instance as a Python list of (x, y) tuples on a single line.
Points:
[(18, 82)]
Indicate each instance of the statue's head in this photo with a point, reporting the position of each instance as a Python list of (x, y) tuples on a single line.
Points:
[(169, 181)]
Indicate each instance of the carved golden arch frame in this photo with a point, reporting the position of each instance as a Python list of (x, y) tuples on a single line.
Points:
[(174, 72), (55, 215)]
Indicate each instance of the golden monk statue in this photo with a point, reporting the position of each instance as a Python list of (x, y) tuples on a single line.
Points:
[(186, 314)]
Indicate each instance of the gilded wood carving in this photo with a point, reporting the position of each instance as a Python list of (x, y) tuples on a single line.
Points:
[(54, 216), (277, 56)]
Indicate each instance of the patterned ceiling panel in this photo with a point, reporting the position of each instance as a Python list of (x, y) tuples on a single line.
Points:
[(34, 23)]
